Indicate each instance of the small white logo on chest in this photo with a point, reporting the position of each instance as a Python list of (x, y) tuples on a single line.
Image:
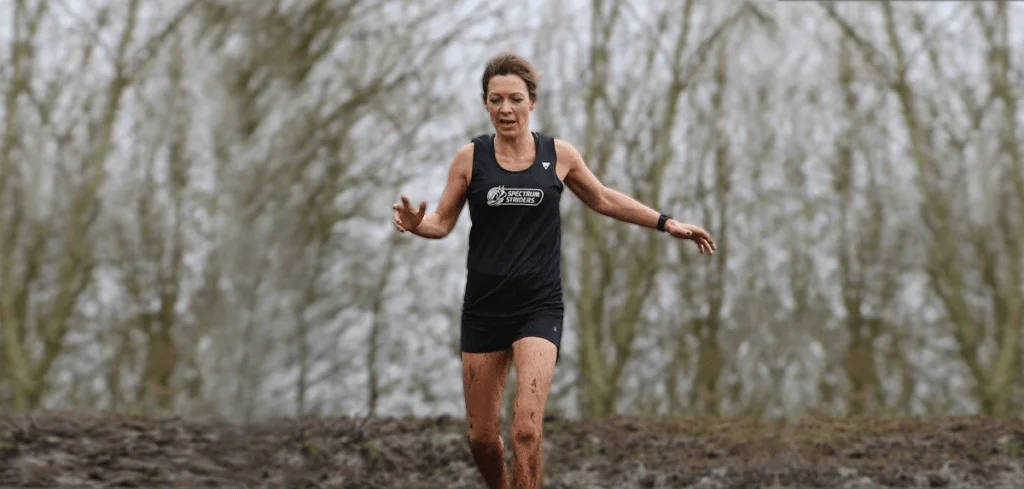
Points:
[(498, 196), (545, 164)]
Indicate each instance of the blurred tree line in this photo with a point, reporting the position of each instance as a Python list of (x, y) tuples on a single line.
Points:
[(195, 201)]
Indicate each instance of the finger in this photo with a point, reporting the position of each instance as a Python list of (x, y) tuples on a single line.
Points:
[(396, 207), (706, 238), (405, 200), (398, 227), (423, 207)]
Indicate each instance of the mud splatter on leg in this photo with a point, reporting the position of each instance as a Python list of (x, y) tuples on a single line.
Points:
[(535, 363), (483, 380)]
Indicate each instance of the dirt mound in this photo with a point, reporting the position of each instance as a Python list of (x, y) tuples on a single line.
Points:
[(48, 451)]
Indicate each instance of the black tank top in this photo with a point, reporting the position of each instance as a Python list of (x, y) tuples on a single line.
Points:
[(515, 242)]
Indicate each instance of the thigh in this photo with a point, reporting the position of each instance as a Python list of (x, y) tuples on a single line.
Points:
[(483, 383), (534, 359)]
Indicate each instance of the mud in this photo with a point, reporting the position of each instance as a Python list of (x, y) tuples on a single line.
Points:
[(62, 451)]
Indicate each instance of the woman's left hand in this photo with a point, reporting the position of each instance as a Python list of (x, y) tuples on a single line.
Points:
[(691, 232)]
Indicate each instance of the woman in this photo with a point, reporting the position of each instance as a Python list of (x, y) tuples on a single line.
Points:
[(512, 310)]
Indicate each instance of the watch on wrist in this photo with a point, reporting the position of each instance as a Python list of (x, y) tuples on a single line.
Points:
[(661, 222)]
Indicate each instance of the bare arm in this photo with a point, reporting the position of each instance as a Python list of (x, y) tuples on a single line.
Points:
[(439, 224), (601, 199), (617, 205)]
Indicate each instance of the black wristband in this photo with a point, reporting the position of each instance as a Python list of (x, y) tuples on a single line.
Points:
[(661, 222)]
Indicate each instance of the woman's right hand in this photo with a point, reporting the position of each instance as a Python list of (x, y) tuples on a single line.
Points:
[(407, 218)]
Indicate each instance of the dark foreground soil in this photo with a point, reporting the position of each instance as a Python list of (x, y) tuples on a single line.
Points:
[(52, 451)]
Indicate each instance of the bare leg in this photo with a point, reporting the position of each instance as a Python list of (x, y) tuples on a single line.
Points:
[(483, 382), (535, 364)]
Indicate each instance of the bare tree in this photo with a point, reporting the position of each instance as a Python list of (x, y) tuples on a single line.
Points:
[(713, 195), (973, 261), (50, 255), (632, 109), (339, 128), (869, 241)]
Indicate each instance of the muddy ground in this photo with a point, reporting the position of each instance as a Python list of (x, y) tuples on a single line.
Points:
[(55, 451)]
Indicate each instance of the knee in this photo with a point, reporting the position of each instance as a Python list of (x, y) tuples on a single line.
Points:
[(484, 439), (526, 434)]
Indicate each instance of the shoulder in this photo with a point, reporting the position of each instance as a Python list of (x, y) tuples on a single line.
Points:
[(462, 165), (566, 152), (463, 161), (466, 150)]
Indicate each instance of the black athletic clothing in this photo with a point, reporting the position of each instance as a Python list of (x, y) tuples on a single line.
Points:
[(513, 279), (499, 334)]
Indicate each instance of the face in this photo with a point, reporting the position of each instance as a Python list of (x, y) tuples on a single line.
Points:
[(509, 104)]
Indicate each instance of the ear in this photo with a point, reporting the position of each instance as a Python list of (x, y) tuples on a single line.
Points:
[(533, 103)]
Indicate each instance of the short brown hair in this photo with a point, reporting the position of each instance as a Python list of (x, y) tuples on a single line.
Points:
[(509, 63)]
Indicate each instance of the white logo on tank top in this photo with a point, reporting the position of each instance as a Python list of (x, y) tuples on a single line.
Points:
[(499, 196), (545, 164)]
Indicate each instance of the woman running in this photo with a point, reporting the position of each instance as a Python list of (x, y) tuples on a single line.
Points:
[(513, 308)]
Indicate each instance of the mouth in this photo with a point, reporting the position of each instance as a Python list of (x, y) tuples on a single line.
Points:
[(506, 122)]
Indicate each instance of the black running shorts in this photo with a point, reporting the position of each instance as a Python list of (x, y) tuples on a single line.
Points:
[(482, 336)]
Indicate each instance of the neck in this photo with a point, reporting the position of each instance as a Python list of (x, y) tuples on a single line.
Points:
[(520, 143)]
